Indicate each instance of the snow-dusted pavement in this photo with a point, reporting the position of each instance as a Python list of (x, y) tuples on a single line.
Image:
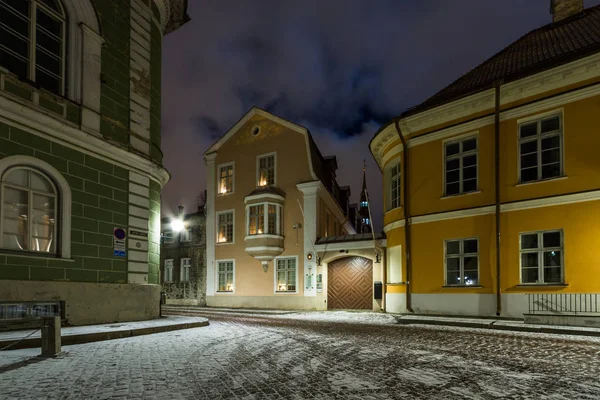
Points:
[(298, 356)]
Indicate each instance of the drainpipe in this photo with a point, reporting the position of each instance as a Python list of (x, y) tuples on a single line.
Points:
[(406, 208), (497, 190)]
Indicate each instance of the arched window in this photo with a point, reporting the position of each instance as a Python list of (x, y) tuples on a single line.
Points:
[(35, 207), (28, 211), (32, 41)]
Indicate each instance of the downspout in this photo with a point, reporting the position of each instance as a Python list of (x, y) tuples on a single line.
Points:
[(497, 190), (407, 227)]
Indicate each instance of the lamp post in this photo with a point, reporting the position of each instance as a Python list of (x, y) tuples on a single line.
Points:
[(177, 222)]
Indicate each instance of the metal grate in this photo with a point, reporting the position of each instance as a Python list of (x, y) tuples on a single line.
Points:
[(564, 303)]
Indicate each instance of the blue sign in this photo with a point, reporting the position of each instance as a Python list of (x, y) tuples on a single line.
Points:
[(119, 253)]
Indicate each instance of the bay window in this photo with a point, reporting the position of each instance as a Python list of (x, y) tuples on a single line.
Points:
[(264, 218)]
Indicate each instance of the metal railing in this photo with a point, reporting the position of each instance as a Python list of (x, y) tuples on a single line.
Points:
[(564, 303)]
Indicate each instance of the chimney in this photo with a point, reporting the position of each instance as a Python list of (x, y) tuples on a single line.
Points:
[(561, 9)]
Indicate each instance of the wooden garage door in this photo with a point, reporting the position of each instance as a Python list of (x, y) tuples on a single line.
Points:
[(350, 284)]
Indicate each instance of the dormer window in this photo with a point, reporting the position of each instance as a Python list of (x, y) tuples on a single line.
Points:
[(32, 41), (266, 170)]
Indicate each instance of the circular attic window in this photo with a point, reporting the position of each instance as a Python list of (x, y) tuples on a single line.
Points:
[(255, 130)]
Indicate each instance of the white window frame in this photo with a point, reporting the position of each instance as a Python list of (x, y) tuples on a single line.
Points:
[(218, 262), (219, 168), (258, 158), (275, 288), (540, 253), (461, 256), (538, 137), (278, 221), (185, 236), (395, 181), (168, 237), (460, 156), (217, 215), (168, 266), (185, 269), (63, 217)]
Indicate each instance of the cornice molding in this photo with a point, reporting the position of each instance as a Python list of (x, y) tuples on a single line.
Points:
[(543, 82)]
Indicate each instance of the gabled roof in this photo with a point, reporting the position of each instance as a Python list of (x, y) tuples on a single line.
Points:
[(547, 47)]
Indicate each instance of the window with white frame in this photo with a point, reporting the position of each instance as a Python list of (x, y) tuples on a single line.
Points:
[(185, 235), (266, 170), (32, 41), (542, 257), (29, 211), (286, 271), (226, 179), (264, 215), (225, 227), (186, 266), (395, 186), (168, 277), (462, 262), (168, 237), (226, 271), (540, 149), (460, 166)]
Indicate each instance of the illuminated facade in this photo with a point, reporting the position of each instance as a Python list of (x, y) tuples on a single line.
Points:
[(500, 169)]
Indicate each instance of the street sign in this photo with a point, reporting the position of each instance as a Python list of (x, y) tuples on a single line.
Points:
[(119, 253), (138, 233), (119, 233)]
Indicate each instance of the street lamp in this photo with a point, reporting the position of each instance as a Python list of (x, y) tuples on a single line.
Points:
[(177, 222)]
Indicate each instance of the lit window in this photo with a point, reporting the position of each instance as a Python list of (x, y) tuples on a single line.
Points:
[(367, 221), (168, 276), (462, 262), (185, 235), (32, 41), (226, 179), (263, 215), (395, 186), (186, 265), (540, 149), (266, 170), (364, 204), (225, 227), (225, 272), (541, 257), (286, 274), (29, 211), (460, 166)]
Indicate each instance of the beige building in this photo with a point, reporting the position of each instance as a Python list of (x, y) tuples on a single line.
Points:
[(277, 218)]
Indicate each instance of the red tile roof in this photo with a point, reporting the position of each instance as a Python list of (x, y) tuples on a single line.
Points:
[(549, 46)]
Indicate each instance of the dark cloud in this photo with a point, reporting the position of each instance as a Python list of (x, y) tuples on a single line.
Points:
[(339, 67)]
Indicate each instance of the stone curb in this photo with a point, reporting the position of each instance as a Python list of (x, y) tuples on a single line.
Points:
[(501, 326), (183, 310), (101, 336)]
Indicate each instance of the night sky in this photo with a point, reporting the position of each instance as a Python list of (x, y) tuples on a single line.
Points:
[(341, 68)]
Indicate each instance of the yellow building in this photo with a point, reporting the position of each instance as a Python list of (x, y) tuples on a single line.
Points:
[(274, 211), (492, 188)]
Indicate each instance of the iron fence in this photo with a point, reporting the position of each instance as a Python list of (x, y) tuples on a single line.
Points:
[(564, 303)]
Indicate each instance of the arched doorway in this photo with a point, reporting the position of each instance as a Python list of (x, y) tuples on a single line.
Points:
[(350, 284)]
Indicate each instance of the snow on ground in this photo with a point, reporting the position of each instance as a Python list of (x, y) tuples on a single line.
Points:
[(348, 317)]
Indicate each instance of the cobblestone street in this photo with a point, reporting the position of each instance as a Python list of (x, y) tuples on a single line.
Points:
[(281, 357)]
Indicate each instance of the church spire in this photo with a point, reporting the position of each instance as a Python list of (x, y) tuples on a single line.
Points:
[(364, 185), (364, 221)]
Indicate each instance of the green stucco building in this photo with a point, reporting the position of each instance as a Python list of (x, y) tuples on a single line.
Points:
[(80, 157)]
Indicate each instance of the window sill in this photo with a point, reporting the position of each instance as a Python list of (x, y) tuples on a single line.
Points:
[(290, 292), (224, 292), (558, 178), (459, 195), (219, 194), (10, 253), (462, 286), (529, 285), (264, 236), (223, 243)]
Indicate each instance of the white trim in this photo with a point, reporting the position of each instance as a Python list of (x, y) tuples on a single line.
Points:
[(217, 292), (275, 276), (165, 267), (64, 195), (211, 234), (264, 248), (219, 167), (393, 225), (263, 236), (471, 212), (263, 197), (356, 245), (258, 157), (218, 213), (256, 111), (388, 135), (394, 152), (181, 265), (66, 135)]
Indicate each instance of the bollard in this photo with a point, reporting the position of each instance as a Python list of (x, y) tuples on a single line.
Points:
[(51, 336)]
